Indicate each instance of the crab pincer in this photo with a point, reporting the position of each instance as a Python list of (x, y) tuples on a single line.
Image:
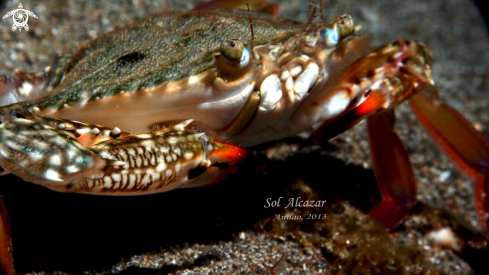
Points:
[(152, 162)]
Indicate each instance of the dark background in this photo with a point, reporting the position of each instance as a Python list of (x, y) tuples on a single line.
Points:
[(484, 10), (116, 227)]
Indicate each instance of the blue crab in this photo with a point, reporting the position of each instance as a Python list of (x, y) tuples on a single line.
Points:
[(321, 76)]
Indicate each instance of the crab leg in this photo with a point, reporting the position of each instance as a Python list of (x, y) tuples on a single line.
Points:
[(390, 160), (392, 169), (6, 258), (459, 140), (403, 70)]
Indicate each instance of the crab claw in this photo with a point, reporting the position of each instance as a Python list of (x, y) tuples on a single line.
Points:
[(153, 162), (223, 159), (40, 154)]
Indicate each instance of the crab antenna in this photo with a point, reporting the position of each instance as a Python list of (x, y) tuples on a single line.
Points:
[(312, 14), (292, 43), (251, 26)]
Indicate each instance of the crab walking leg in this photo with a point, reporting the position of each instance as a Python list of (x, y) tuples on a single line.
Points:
[(392, 169), (461, 142), (4, 173), (6, 258), (391, 164), (390, 85)]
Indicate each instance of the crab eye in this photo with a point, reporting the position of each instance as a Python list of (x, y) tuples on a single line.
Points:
[(233, 61), (16, 114), (345, 25), (232, 49), (341, 27)]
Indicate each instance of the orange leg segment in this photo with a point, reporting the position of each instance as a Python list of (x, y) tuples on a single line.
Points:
[(460, 141), (392, 169), (6, 258)]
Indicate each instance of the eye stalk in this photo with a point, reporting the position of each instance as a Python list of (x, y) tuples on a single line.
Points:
[(234, 52), (341, 27), (232, 49), (345, 25), (233, 60), (329, 36)]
